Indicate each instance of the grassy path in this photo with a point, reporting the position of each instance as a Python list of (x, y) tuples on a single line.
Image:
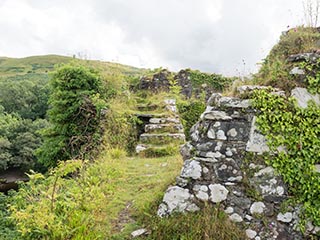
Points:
[(137, 185)]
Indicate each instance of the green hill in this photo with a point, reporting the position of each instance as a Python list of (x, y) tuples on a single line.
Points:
[(40, 66)]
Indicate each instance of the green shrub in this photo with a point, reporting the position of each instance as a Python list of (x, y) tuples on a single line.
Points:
[(7, 227), (312, 71), (190, 113), (19, 138), (120, 131), (74, 115), (215, 81), (67, 204)]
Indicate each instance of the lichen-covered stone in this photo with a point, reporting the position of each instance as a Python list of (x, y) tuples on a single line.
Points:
[(285, 217), (191, 169), (303, 96), (251, 234), (257, 208), (176, 199), (235, 217), (218, 193)]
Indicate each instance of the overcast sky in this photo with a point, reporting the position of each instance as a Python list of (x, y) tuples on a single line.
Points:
[(223, 36)]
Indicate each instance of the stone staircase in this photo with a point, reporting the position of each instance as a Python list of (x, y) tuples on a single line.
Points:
[(163, 132)]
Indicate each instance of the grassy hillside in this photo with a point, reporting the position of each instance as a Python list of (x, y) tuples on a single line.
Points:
[(275, 68), (38, 67)]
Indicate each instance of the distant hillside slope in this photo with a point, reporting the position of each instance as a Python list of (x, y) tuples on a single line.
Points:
[(36, 67)]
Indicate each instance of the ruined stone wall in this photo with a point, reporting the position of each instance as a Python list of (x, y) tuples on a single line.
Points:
[(217, 170)]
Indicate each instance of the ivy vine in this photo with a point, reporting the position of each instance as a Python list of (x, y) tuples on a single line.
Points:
[(312, 71), (293, 134)]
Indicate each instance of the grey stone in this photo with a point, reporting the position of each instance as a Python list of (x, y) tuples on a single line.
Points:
[(139, 232), (221, 135), (251, 234), (192, 207), (216, 115), (297, 71), (234, 102), (201, 192), (172, 108), (313, 57), (285, 217), (257, 142), (229, 210), (214, 155), (186, 151), (176, 199), (181, 182), (316, 230), (235, 217), (170, 101), (218, 193), (257, 208), (211, 134), (249, 88), (232, 132), (265, 171), (317, 168), (229, 153), (140, 148), (214, 99), (303, 96), (191, 169)]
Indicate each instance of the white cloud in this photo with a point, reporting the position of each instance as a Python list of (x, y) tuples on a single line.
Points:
[(224, 36)]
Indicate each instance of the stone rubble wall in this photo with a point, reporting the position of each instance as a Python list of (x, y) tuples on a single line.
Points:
[(215, 171)]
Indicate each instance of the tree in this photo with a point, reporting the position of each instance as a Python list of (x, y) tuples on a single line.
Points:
[(19, 138), (74, 115), (28, 98)]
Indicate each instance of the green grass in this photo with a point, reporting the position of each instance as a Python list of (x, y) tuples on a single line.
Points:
[(142, 181)]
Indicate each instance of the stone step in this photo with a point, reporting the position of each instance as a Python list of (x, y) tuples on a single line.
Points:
[(162, 120), (162, 128), (146, 150), (163, 138)]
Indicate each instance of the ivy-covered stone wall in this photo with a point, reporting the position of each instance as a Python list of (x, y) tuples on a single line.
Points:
[(228, 163)]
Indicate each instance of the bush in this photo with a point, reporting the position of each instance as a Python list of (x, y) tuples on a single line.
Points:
[(67, 204), (19, 138), (74, 114), (190, 113)]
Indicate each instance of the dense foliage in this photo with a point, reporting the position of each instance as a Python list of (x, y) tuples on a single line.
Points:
[(293, 134), (190, 113), (19, 138), (215, 81), (74, 115), (28, 98), (60, 205), (312, 72)]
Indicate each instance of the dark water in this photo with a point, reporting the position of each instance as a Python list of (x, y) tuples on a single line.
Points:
[(9, 179)]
